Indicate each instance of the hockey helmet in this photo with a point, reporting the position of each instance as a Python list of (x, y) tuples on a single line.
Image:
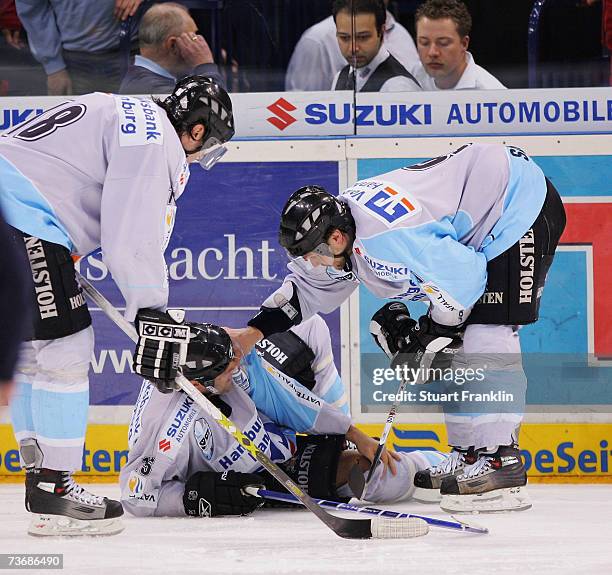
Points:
[(201, 100), (308, 217), (209, 352)]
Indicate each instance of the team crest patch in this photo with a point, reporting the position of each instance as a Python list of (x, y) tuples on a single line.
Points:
[(204, 436)]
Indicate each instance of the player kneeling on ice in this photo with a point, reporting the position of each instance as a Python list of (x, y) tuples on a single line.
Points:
[(473, 234), (97, 171), (181, 462)]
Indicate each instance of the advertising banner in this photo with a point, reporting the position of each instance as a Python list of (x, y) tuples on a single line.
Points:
[(456, 113), (223, 259), (544, 111)]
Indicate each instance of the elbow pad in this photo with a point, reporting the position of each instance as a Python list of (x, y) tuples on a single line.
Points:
[(279, 312)]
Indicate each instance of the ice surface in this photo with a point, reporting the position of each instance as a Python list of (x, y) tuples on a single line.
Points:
[(569, 530)]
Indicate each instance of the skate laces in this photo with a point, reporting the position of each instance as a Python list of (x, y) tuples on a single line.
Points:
[(79, 494), (450, 464), (483, 464)]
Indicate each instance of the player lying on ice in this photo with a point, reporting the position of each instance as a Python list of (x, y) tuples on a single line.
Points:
[(473, 233), (181, 462)]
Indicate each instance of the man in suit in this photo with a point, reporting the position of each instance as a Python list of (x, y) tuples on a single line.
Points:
[(170, 48)]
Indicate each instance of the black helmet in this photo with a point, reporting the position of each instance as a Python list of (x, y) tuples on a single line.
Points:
[(308, 216), (209, 353), (201, 100)]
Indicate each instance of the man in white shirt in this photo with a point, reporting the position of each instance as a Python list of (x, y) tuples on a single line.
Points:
[(316, 57), (442, 30), (360, 28)]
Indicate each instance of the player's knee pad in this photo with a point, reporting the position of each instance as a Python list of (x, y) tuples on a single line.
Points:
[(314, 466), (65, 360)]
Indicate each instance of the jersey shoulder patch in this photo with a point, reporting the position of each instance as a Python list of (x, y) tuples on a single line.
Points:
[(139, 122), (388, 202)]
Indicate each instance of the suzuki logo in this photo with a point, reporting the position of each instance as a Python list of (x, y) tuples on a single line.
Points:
[(280, 109), (164, 445)]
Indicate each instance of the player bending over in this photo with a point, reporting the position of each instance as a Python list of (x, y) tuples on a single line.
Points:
[(474, 234), (181, 462), (97, 171)]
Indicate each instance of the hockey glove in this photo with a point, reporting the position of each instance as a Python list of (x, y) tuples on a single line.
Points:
[(390, 325), (210, 493), (405, 341), (162, 346)]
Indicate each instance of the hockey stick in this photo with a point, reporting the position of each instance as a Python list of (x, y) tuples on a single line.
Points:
[(356, 480), (287, 497), (378, 527)]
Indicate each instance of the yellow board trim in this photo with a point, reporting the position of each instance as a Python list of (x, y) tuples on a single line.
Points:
[(558, 452)]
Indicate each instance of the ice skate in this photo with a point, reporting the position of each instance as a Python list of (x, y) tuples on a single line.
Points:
[(496, 482), (428, 481), (60, 506)]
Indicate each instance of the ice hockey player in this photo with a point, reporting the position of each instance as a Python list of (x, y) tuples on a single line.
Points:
[(181, 462), (474, 233), (101, 170)]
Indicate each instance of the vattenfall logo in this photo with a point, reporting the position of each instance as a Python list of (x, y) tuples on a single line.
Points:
[(365, 115)]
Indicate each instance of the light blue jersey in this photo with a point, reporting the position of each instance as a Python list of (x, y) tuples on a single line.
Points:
[(426, 232), (324, 409)]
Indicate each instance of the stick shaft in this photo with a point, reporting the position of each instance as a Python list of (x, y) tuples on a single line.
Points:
[(287, 497), (352, 530), (389, 425)]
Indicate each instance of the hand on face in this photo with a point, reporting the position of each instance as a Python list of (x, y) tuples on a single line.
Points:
[(194, 50)]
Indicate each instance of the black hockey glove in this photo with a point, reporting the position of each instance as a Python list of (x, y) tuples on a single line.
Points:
[(162, 346), (210, 493), (405, 341)]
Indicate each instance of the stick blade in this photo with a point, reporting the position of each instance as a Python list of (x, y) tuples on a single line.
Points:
[(407, 528)]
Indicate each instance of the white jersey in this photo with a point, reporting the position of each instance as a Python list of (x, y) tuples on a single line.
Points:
[(99, 171), (426, 232), (170, 438)]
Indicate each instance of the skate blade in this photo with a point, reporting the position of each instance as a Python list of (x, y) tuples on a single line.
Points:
[(43, 525), (497, 501), (423, 495)]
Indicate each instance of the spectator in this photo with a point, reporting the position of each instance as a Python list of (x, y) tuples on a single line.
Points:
[(170, 48), (443, 36), (77, 41), (10, 26), (316, 57), (13, 306), (360, 26)]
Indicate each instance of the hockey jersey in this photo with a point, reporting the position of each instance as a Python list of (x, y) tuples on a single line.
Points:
[(170, 438), (427, 231), (99, 171)]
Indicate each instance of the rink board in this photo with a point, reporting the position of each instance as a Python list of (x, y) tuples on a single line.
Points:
[(556, 452), (224, 259)]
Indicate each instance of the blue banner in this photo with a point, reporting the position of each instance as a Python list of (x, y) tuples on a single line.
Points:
[(223, 259)]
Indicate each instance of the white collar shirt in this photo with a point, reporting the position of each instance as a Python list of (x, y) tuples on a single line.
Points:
[(474, 77)]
